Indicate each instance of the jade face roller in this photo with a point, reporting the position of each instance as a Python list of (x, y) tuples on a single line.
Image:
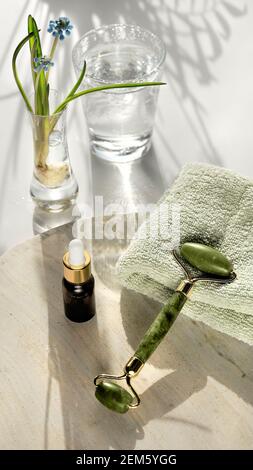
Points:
[(214, 267)]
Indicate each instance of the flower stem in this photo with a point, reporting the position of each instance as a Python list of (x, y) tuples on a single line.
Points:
[(102, 88), (32, 50), (51, 55)]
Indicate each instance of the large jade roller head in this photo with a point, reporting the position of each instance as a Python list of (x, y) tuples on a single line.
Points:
[(206, 259), (213, 267)]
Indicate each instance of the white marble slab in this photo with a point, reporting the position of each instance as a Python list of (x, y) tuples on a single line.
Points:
[(196, 391)]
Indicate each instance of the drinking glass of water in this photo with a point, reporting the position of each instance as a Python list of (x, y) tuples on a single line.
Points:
[(120, 121)]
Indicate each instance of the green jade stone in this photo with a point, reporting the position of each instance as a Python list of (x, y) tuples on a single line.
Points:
[(113, 396), (206, 259), (160, 326)]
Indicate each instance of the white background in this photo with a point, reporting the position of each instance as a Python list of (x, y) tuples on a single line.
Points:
[(204, 114)]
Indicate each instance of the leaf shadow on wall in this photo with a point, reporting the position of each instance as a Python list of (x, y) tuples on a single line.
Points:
[(197, 24), (194, 32), (77, 352)]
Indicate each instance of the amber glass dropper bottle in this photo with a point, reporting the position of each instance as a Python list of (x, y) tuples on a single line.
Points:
[(78, 284)]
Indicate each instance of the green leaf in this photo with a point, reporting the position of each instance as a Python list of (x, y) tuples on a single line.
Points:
[(103, 88), (41, 98), (32, 44), (79, 81), (14, 69)]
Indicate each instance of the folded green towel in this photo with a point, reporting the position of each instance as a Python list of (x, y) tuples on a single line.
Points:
[(216, 209)]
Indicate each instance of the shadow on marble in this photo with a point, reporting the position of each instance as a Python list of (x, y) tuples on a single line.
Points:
[(192, 351), (209, 353), (74, 382), (44, 220), (128, 184)]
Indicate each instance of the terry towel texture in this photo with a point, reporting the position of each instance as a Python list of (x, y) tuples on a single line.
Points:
[(216, 209)]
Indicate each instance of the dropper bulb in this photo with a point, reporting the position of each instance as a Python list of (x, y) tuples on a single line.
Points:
[(76, 254)]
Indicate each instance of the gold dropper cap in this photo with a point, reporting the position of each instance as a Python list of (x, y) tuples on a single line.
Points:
[(77, 274)]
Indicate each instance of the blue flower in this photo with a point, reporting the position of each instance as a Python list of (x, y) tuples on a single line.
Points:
[(42, 63), (60, 28)]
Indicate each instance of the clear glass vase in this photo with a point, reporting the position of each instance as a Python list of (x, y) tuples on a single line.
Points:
[(53, 185)]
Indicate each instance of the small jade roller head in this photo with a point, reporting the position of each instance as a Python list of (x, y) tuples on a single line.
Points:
[(113, 396), (213, 267)]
